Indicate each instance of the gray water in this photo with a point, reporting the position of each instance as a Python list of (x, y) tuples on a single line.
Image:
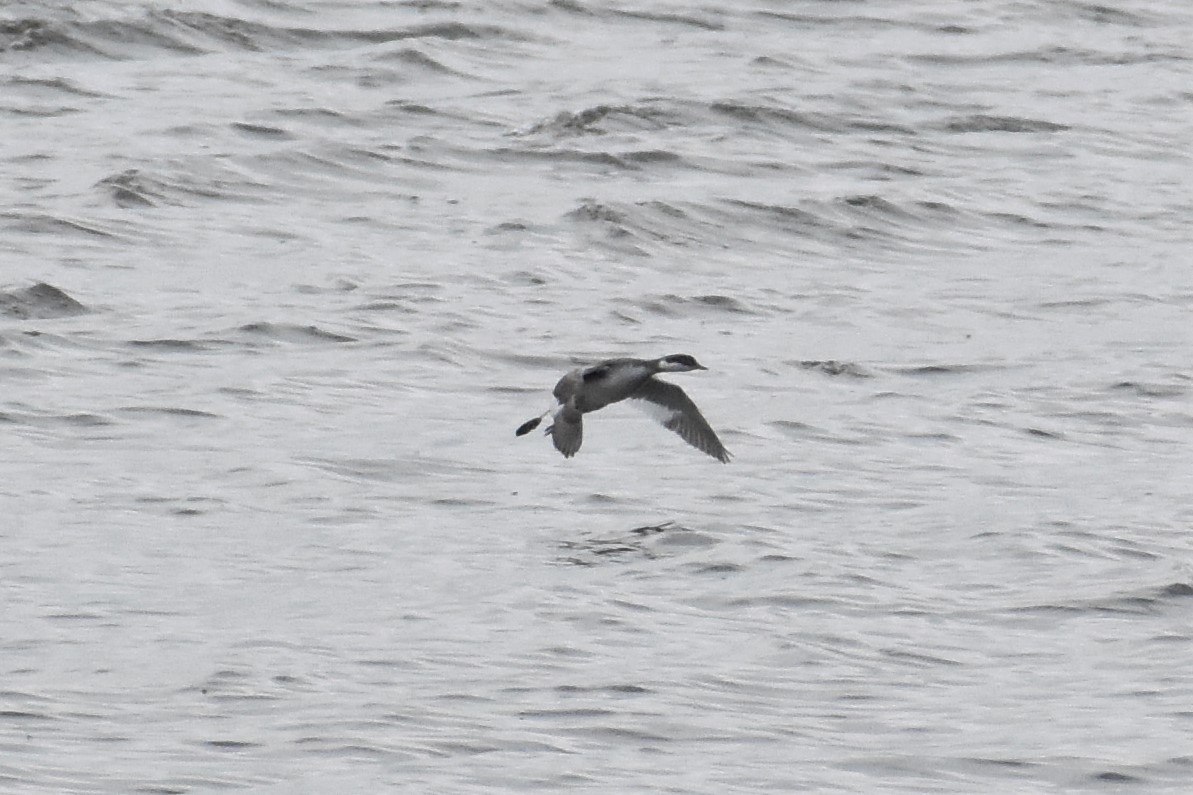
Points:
[(280, 280)]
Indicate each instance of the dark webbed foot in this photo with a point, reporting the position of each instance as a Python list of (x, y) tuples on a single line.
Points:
[(528, 426)]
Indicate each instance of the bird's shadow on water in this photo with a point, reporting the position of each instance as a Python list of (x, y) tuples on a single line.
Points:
[(647, 542)]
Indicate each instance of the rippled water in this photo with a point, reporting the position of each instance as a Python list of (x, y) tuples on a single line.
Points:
[(280, 280)]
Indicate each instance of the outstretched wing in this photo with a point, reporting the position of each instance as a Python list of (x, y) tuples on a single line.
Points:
[(567, 431), (671, 406)]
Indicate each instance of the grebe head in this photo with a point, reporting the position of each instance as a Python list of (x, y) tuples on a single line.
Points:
[(679, 363)]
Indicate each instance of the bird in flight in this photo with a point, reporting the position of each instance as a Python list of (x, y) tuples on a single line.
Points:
[(587, 389)]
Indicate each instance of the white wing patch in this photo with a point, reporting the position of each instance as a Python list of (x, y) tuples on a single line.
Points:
[(671, 406), (660, 414)]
